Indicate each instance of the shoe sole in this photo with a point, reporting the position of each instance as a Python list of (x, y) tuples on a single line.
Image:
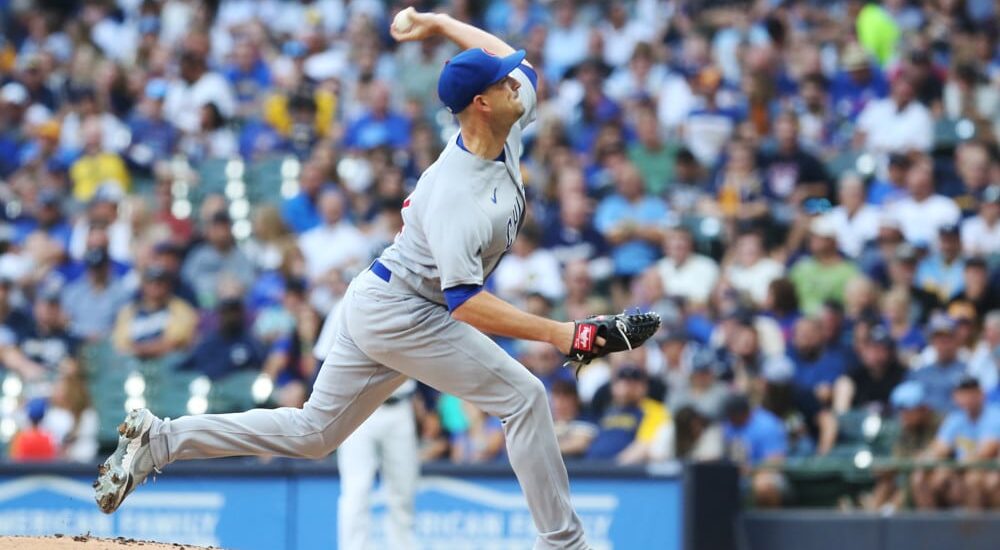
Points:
[(115, 481)]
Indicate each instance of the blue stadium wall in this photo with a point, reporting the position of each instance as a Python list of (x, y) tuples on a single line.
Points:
[(293, 505)]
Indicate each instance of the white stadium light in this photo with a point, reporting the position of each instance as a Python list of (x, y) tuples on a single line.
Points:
[(197, 404), (262, 388)]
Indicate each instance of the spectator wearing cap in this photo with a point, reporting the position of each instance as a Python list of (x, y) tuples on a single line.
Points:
[(824, 273), (214, 257), (14, 102), (97, 166), (703, 390), (984, 363), (631, 423), (858, 82), (749, 269), (922, 214), (856, 221), (981, 233), (574, 429), (379, 125), (970, 433), (92, 301), (676, 355), (33, 443), (918, 425), (102, 226), (603, 396), (902, 277), (334, 244), (228, 348), (870, 382), (154, 139), (48, 342), (776, 393), (170, 257), (195, 87), (155, 324), (896, 124), (942, 369), (754, 437), (885, 191), (943, 271), (684, 273), (977, 290)]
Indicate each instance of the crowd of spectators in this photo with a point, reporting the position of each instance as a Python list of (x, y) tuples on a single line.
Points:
[(807, 192)]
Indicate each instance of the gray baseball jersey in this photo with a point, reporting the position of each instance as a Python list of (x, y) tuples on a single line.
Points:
[(463, 215)]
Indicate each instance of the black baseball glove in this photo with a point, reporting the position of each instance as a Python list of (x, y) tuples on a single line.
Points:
[(621, 332)]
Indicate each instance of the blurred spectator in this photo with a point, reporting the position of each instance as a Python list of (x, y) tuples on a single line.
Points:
[(97, 166), (902, 278), (379, 125), (792, 174), (898, 123), (685, 274), (195, 87), (336, 243), (573, 430), (817, 368), (47, 342), (739, 190), (984, 363), (943, 271), (630, 425), (754, 437), (227, 349), (940, 376), (91, 302), (289, 362), (71, 418), (301, 211), (528, 269), (653, 157), (698, 438), (170, 258), (977, 291), (708, 128), (566, 41), (893, 187), (823, 274), (856, 222), (212, 140), (923, 213), (153, 138), (870, 383), (981, 232), (544, 362), (604, 397), (481, 440), (970, 433), (101, 226), (632, 223), (918, 425), (749, 269), (157, 323), (34, 443), (218, 255), (572, 236), (703, 391)]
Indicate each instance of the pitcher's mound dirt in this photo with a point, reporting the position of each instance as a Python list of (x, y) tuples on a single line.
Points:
[(86, 542)]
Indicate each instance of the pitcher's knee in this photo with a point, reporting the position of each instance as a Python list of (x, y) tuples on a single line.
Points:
[(534, 394)]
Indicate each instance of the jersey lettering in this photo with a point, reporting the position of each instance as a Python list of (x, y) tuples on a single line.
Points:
[(514, 221)]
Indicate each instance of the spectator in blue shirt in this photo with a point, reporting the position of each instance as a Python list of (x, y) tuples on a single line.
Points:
[(632, 223), (248, 74), (153, 137), (942, 375), (817, 367), (48, 219), (229, 348), (379, 126), (858, 82), (969, 433), (301, 211), (755, 437), (943, 272)]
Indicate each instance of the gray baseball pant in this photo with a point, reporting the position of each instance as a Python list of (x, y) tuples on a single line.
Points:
[(387, 333)]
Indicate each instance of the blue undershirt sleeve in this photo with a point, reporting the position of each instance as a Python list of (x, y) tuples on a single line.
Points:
[(457, 295)]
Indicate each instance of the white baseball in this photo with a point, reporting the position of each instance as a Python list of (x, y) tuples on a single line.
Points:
[(403, 21)]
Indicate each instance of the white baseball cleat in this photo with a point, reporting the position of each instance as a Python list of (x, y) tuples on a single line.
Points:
[(129, 465)]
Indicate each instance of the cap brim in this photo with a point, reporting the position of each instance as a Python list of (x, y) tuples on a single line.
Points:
[(507, 65)]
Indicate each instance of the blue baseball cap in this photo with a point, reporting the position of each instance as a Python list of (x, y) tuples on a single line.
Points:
[(908, 395), (156, 88), (469, 73)]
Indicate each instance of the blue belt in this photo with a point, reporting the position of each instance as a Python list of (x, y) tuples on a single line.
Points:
[(381, 270)]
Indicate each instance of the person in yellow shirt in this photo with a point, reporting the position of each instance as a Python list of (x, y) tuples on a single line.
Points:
[(157, 323), (633, 424), (96, 167)]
